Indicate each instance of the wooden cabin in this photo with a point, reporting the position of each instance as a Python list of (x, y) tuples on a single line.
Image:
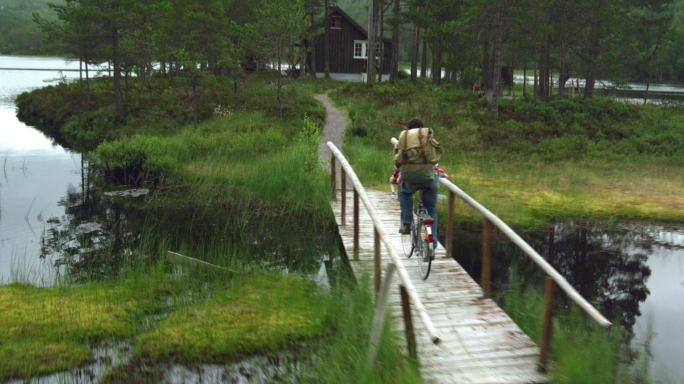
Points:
[(348, 49)]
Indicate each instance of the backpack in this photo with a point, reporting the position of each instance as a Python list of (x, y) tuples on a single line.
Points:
[(417, 146)]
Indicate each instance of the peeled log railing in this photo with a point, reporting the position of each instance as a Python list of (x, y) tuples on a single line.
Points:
[(553, 278), (407, 291)]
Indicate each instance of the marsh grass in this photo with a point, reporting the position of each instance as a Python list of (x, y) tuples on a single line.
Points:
[(581, 351), (343, 352)]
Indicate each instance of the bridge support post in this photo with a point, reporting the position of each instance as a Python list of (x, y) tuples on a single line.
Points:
[(377, 262), (333, 177), (356, 224), (379, 316), (487, 258), (408, 324), (545, 346), (343, 196), (450, 226)]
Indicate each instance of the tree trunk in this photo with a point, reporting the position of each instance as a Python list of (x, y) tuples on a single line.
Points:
[(414, 53), (80, 70), (512, 85), (486, 71), (535, 87), (372, 34), (126, 71), (423, 59), (120, 109), (313, 47), (651, 58), (280, 86), (548, 68), (498, 43), (437, 61), (594, 52), (524, 81), (87, 74), (543, 87), (395, 42), (564, 73), (326, 43), (381, 40)]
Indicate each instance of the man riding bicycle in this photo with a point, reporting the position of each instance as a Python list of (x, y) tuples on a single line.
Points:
[(416, 155)]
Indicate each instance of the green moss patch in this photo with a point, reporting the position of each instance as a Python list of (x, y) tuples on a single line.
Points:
[(257, 313), (45, 330)]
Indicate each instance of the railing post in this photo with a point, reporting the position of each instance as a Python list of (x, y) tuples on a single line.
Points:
[(377, 261), (356, 224), (487, 258), (450, 225), (379, 316), (343, 196), (549, 299), (408, 323), (333, 177)]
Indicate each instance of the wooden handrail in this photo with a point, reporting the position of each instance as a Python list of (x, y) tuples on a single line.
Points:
[(528, 250), (394, 256), (531, 253)]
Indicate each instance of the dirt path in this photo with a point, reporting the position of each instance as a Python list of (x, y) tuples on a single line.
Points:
[(336, 122)]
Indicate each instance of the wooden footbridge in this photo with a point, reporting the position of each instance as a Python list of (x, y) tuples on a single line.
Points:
[(459, 334)]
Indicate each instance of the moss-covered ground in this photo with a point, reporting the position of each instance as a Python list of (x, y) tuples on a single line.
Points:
[(48, 330), (258, 313), (51, 329)]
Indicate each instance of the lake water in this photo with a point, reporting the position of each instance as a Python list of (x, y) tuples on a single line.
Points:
[(34, 173), (634, 270)]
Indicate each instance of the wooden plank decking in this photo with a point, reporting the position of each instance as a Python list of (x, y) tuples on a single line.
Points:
[(480, 342)]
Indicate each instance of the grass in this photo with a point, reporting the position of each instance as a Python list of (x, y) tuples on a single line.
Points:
[(236, 149), (246, 158), (343, 352), (539, 161), (257, 313), (46, 330)]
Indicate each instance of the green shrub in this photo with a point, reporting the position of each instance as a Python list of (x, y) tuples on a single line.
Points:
[(140, 159)]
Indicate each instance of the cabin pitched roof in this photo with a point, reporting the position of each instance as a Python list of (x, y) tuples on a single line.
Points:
[(354, 23)]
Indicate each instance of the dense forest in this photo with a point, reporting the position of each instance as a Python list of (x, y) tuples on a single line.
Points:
[(18, 33), (585, 39)]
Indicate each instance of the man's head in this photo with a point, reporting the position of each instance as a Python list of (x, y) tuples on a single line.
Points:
[(415, 123)]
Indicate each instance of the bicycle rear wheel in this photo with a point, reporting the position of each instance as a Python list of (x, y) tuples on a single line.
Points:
[(425, 260), (424, 250)]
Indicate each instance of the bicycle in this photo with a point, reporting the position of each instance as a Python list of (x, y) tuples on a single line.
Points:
[(421, 239)]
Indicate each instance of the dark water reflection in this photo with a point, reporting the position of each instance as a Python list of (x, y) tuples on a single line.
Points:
[(634, 272), (99, 232)]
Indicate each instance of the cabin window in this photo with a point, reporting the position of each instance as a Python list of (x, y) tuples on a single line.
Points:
[(336, 22), (360, 49)]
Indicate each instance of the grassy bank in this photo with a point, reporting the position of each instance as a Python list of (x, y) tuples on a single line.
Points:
[(227, 143), (539, 161)]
